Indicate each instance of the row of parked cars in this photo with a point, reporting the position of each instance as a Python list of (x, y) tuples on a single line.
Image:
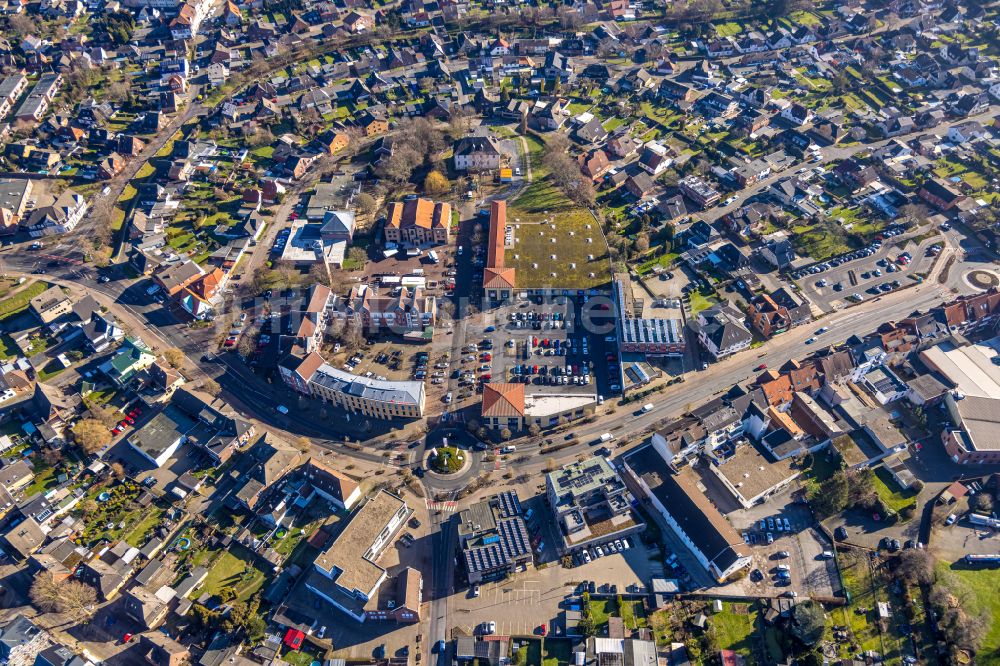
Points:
[(866, 251), (587, 555)]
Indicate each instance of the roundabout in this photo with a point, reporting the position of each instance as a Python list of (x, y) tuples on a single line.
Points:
[(982, 279), (457, 460)]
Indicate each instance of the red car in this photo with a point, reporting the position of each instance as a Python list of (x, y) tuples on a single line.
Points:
[(123, 424), (116, 431), (126, 638), (543, 630), (762, 366)]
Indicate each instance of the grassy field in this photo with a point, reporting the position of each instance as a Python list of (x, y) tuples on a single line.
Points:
[(984, 584), (19, 301), (820, 240), (551, 236), (734, 627)]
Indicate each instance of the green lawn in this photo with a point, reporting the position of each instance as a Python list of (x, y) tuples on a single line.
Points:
[(632, 614), (984, 584), (613, 123), (45, 478), (19, 301), (702, 300), (556, 651), (140, 533), (890, 492), (7, 347), (234, 568), (51, 369), (601, 610), (820, 240), (728, 29), (734, 627)]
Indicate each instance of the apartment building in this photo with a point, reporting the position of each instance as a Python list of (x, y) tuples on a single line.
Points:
[(360, 395), (347, 573), (37, 102), (591, 504), (418, 222)]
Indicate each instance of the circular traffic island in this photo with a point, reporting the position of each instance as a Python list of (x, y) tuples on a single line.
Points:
[(983, 280), (448, 460)]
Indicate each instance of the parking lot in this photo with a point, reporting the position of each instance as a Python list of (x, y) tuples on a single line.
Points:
[(798, 557), (557, 343), (879, 268), (523, 602), (951, 543)]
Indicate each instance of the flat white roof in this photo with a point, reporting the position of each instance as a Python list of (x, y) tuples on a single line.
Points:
[(544, 405), (970, 368)]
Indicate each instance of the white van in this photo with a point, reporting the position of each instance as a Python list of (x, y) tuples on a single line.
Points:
[(607, 437), (508, 449), (648, 407)]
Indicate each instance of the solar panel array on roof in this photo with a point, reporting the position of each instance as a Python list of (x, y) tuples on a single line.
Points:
[(652, 331), (512, 542), (508, 504)]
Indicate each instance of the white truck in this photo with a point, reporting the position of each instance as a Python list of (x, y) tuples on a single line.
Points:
[(648, 407), (606, 437)]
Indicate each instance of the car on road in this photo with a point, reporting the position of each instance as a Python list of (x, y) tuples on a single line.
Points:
[(822, 329), (762, 366), (811, 340), (475, 590)]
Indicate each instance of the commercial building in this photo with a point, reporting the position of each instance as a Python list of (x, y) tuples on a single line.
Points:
[(507, 406), (324, 242), (14, 196), (721, 331), (499, 280), (347, 573), (686, 511), (973, 402), (302, 326), (50, 305), (969, 368), (650, 337), (493, 537), (975, 435), (418, 222), (748, 474), (364, 395), (591, 504)]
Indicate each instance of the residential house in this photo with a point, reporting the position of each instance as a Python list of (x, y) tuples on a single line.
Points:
[(477, 153), (721, 331)]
